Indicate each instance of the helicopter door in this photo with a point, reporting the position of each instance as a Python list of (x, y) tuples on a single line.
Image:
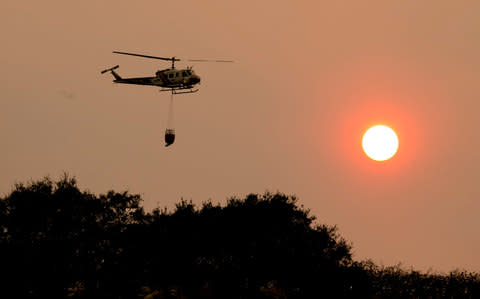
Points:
[(171, 77), (178, 78)]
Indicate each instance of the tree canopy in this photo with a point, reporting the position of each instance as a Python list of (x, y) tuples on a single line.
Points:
[(58, 241)]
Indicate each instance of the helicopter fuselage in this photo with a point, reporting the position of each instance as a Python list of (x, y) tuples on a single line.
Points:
[(172, 79), (176, 78)]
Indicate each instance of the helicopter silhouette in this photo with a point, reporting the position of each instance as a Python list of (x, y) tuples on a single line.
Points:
[(177, 81)]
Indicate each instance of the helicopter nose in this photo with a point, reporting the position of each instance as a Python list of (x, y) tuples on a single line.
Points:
[(194, 79)]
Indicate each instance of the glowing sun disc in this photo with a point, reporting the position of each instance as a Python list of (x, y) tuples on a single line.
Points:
[(380, 143)]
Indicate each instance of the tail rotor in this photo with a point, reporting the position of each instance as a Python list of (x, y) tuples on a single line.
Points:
[(110, 69)]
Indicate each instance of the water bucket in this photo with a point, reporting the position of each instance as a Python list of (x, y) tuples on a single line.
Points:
[(169, 136)]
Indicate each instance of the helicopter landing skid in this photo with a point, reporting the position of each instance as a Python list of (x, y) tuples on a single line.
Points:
[(179, 90)]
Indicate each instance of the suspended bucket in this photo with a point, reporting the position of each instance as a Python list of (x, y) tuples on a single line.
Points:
[(169, 136), (170, 131)]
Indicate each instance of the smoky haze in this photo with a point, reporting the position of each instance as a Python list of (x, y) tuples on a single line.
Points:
[(288, 115)]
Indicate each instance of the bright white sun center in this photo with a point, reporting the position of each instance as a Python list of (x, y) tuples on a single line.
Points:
[(380, 143)]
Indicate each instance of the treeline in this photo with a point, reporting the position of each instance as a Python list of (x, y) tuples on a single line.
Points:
[(57, 241)]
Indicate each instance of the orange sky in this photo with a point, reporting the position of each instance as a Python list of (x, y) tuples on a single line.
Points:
[(288, 115)]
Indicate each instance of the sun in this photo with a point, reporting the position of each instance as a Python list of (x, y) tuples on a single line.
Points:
[(380, 143)]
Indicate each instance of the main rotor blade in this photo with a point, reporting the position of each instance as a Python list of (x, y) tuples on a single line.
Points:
[(147, 56), (208, 60)]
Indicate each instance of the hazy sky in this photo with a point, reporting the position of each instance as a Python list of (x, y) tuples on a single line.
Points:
[(288, 115)]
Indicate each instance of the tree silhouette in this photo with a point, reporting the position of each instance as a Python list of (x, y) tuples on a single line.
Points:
[(54, 235), (56, 240)]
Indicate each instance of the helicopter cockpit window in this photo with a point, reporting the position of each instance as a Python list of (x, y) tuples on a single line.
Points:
[(184, 74), (189, 72)]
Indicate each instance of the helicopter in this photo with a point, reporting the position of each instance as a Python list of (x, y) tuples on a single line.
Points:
[(177, 81)]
